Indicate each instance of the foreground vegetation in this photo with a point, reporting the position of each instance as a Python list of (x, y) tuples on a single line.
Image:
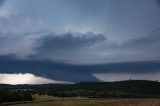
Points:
[(7, 95), (93, 92), (44, 100)]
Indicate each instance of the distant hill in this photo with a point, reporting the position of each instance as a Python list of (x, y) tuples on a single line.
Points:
[(119, 89)]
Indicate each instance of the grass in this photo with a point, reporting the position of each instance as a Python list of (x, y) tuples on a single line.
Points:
[(45, 100)]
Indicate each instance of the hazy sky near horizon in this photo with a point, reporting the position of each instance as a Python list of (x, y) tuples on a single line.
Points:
[(80, 31)]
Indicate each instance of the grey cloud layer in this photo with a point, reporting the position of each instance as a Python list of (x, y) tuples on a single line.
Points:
[(90, 48), (69, 40), (148, 42), (125, 28), (137, 49), (77, 73), (1, 2), (79, 48), (67, 47), (145, 43)]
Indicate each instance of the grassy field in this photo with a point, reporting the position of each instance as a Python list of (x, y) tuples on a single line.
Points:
[(44, 100)]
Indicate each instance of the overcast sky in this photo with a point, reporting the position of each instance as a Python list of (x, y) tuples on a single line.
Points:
[(80, 31)]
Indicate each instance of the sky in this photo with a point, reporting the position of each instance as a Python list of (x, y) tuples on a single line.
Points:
[(79, 32)]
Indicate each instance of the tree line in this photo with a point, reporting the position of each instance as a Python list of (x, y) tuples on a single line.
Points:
[(7, 95), (119, 89)]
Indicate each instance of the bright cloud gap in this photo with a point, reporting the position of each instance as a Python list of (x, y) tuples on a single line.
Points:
[(26, 78)]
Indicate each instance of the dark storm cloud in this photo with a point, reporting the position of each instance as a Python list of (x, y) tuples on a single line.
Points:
[(1, 2), (158, 1), (66, 47), (80, 48), (136, 49), (74, 73), (145, 43), (68, 41), (156, 30), (27, 44), (118, 21)]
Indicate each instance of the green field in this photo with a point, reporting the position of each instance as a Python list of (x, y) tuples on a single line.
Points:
[(44, 100)]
